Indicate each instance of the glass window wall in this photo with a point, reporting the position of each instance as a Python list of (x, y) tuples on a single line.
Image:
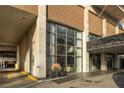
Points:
[(64, 46)]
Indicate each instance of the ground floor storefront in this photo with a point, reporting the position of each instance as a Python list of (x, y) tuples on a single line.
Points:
[(108, 61)]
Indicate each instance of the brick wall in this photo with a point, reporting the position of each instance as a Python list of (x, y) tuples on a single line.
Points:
[(111, 30), (95, 24), (70, 15)]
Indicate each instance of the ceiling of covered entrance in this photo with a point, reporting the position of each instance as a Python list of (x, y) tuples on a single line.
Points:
[(14, 23)]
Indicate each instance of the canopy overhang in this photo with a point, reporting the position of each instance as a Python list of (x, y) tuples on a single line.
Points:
[(112, 44)]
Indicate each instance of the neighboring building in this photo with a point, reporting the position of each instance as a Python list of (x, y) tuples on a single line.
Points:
[(79, 38)]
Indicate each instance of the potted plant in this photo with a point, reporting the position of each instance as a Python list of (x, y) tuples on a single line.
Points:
[(56, 68)]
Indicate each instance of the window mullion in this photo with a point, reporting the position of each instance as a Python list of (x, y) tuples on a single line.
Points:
[(66, 51), (56, 42)]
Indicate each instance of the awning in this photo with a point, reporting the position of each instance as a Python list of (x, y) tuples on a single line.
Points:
[(114, 43)]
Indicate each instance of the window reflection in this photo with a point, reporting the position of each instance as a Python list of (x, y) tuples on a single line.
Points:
[(61, 29), (61, 39), (70, 41), (70, 50), (61, 50), (70, 32)]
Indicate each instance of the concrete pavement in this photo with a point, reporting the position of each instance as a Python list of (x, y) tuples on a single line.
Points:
[(103, 80)]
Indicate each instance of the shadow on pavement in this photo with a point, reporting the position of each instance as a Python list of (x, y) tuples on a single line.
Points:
[(118, 78)]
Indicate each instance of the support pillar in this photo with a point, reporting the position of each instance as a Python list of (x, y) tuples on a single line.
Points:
[(39, 68), (103, 61), (104, 27), (116, 61), (17, 59), (85, 38)]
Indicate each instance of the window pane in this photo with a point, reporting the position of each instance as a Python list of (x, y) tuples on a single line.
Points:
[(48, 49), (48, 64), (48, 27), (48, 60), (78, 51), (79, 35), (50, 38), (78, 43), (70, 41), (70, 32), (51, 27), (52, 49), (70, 64), (70, 50), (61, 29), (79, 64), (78, 59), (61, 39), (62, 61), (53, 60), (61, 50), (70, 60)]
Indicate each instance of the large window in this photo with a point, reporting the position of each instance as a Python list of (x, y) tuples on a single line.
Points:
[(64, 46)]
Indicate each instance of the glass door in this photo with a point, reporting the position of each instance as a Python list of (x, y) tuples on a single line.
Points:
[(95, 63), (110, 61)]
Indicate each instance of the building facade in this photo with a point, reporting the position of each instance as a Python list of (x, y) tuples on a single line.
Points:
[(74, 36)]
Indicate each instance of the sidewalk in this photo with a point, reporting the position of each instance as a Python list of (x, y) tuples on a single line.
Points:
[(78, 80), (81, 75)]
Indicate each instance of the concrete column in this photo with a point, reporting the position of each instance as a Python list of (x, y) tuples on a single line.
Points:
[(116, 60), (27, 61), (104, 27), (39, 68), (85, 37), (117, 29), (103, 61), (17, 58)]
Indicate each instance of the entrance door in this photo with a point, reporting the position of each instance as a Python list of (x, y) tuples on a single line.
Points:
[(110, 61), (120, 62), (95, 62)]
